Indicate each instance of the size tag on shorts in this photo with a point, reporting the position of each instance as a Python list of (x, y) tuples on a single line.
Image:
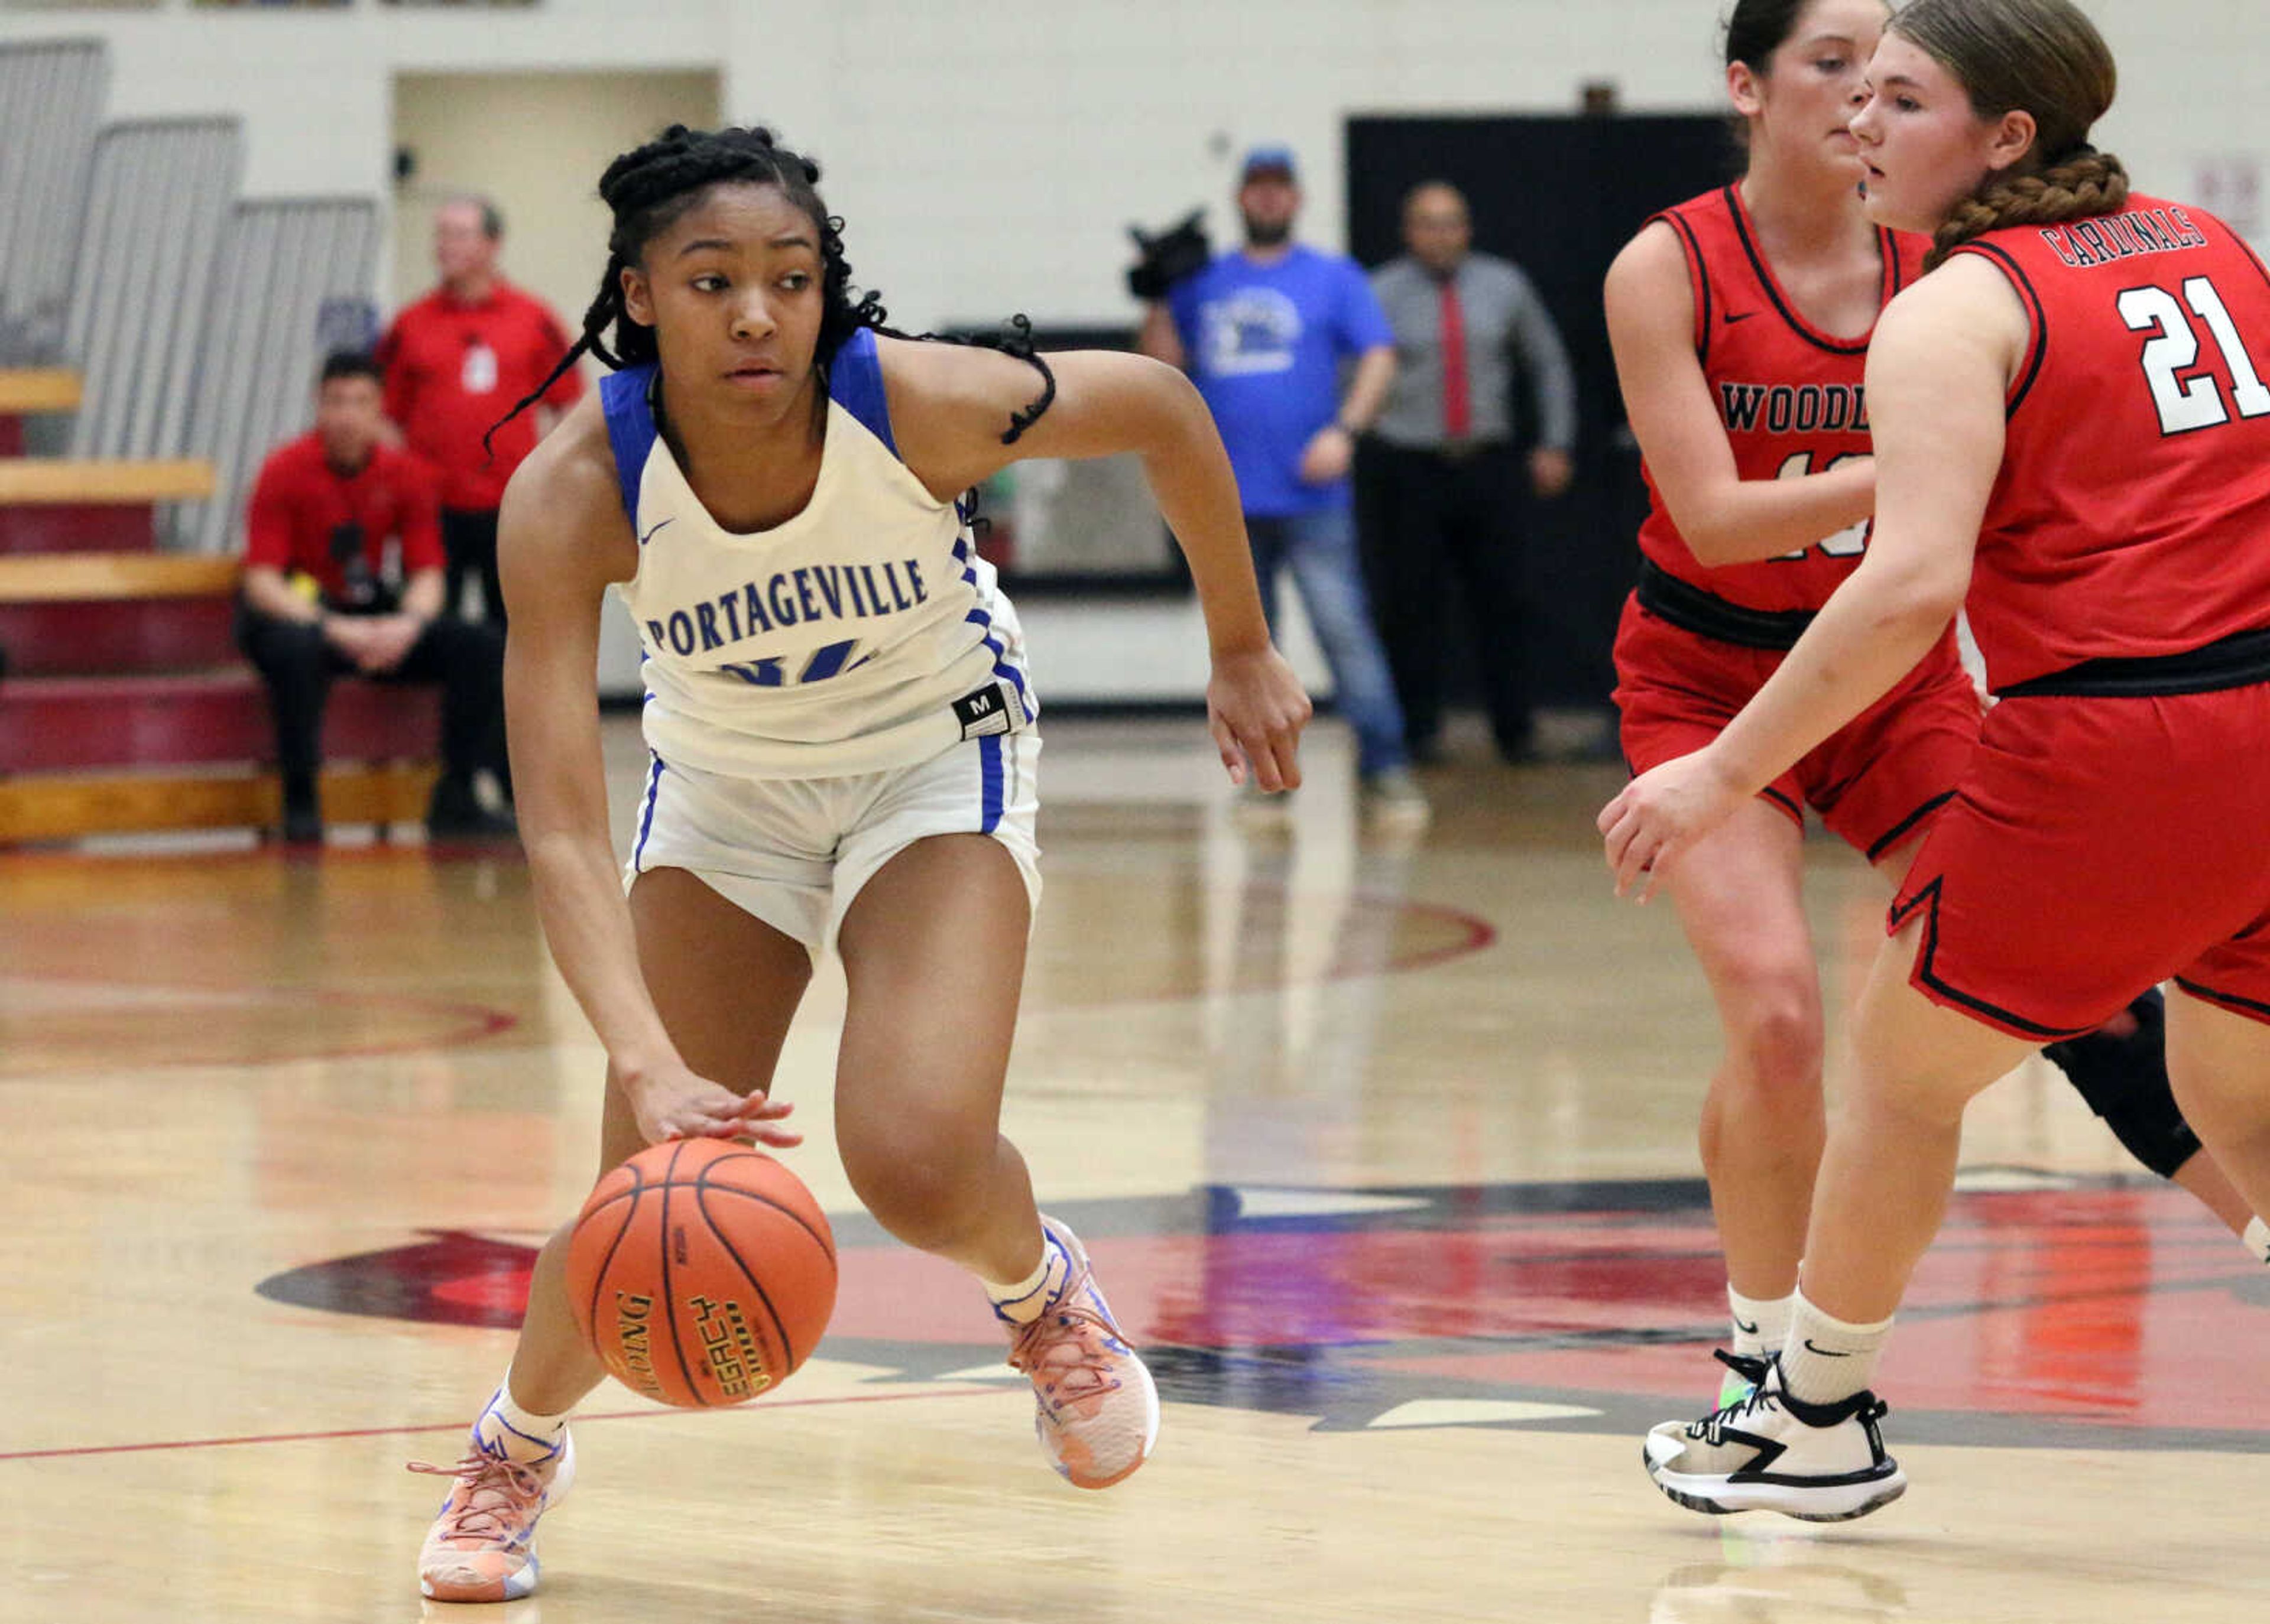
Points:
[(993, 708)]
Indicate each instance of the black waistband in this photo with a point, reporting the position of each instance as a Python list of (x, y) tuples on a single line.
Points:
[(2239, 661), (1691, 608)]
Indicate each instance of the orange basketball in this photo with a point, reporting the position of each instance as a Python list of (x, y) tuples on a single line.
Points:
[(701, 1272)]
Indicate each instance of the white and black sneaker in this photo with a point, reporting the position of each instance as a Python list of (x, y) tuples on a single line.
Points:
[(1773, 1452)]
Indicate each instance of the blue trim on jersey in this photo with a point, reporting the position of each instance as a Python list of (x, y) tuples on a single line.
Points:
[(855, 381), (984, 622), (646, 819), (989, 766), (630, 429)]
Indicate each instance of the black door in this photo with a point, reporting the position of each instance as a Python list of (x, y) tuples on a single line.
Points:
[(1558, 197)]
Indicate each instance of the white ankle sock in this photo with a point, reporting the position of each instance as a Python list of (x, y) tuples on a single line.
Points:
[(1828, 1358), (515, 1434), (1022, 1300), (1760, 1324), (2257, 1239)]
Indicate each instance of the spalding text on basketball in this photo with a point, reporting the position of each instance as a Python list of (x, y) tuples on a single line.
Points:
[(632, 1313)]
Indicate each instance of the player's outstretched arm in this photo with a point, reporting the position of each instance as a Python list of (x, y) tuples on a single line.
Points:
[(950, 407), (561, 537), (1939, 370)]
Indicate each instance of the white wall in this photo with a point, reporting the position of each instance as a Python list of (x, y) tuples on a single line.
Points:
[(988, 153), (539, 140), (314, 87)]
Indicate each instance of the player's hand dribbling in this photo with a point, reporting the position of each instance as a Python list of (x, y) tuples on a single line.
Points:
[(1256, 709), (675, 1103), (1661, 814)]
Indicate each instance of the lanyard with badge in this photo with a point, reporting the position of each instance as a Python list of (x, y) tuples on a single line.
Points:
[(478, 374)]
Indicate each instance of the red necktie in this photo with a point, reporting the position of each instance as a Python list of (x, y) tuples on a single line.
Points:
[(1457, 411)]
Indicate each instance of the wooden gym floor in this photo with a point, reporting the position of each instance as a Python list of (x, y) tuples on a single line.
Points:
[(1385, 1153)]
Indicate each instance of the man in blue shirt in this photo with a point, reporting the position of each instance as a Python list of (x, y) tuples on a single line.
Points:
[(1263, 332)]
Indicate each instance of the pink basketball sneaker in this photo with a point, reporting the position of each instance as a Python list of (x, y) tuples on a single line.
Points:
[(1094, 1407), (482, 1546)]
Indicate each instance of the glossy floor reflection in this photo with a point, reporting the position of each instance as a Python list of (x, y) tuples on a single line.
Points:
[(1384, 1152)]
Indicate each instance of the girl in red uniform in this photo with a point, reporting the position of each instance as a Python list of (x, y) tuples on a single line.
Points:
[(2071, 424), (1740, 321)]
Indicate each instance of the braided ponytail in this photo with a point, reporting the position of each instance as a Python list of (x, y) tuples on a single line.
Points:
[(2086, 182), (2043, 57)]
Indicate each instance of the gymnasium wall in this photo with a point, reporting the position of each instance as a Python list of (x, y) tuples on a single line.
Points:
[(988, 155)]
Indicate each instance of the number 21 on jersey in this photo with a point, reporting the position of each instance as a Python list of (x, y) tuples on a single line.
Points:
[(2194, 403), (1847, 543)]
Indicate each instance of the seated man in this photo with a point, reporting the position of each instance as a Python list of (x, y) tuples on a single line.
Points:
[(343, 572)]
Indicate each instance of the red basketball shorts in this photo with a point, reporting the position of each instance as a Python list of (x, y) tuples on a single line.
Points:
[(1875, 781), (2096, 847)]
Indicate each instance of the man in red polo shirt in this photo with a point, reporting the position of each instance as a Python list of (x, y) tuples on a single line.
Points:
[(456, 362), (343, 572)]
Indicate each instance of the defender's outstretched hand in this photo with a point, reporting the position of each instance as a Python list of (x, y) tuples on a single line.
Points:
[(1661, 814)]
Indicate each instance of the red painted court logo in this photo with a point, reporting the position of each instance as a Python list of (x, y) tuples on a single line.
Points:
[(2053, 1309)]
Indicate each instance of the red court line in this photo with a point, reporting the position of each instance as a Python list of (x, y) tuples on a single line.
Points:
[(404, 1432), (1479, 933), (1476, 932), (477, 1021)]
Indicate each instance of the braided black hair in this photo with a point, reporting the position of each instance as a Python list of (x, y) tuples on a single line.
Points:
[(649, 188)]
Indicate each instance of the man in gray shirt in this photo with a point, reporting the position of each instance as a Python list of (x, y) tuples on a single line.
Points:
[(1438, 497)]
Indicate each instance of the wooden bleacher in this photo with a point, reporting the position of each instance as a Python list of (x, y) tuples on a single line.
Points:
[(124, 704), (107, 482), (28, 392), (66, 613), (91, 504), (25, 390), (95, 577)]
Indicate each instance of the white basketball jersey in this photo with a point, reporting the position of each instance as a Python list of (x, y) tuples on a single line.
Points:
[(864, 633)]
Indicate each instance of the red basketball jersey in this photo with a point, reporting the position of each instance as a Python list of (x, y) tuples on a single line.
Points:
[(2132, 516), (1791, 396)]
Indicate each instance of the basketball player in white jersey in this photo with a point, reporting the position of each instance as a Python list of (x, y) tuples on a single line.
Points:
[(843, 744)]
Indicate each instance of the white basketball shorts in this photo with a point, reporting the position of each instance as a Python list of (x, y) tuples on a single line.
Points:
[(795, 852)]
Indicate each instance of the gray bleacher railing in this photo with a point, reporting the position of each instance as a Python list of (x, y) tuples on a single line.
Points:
[(158, 203), (51, 98), (295, 275)]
